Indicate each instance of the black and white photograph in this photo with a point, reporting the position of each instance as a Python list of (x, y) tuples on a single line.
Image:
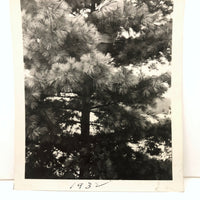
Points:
[(98, 92)]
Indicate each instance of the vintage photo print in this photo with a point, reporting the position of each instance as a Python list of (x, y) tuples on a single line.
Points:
[(98, 94)]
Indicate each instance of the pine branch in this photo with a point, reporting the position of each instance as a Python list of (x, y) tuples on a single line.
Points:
[(74, 121), (70, 108), (58, 5), (52, 127), (95, 124), (105, 105)]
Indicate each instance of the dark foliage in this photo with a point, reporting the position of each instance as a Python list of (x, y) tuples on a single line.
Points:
[(90, 104)]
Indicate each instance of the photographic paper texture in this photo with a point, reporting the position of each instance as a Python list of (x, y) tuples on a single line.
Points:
[(98, 94)]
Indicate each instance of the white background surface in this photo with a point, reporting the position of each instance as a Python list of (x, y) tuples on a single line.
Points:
[(191, 99), (6, 95), (191, 88)]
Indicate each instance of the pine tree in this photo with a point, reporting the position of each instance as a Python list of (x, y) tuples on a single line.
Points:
[(89, 98)]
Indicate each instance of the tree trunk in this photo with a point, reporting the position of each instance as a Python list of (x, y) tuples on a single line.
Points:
[(85, 118), (85, 131)]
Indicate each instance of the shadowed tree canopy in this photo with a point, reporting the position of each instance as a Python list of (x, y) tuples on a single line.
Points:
[(94, 71)]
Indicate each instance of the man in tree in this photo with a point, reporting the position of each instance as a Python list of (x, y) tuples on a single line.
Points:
[(105, 15), (109, 7)]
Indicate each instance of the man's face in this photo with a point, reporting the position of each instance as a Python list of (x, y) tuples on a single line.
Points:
[(79, 4), (85, 3)]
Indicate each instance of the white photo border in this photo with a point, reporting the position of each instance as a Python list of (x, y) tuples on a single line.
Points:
[(176, 184)]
